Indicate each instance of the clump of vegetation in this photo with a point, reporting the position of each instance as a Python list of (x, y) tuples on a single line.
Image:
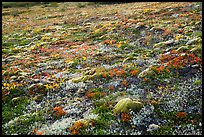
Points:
[(19, 4), (62, 61), (81, 4), (50, 4), (124, 105), (28, 4)]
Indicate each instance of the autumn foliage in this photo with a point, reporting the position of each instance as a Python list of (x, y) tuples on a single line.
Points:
[(59, 111)]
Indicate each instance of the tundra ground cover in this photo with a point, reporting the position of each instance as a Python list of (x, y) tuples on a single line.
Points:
[(63, 71)]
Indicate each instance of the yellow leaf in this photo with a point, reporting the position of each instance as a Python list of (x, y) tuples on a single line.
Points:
[(106, 24), (56, 85), (84, 58), (154, 102), (97, 31), (37, 30), (45, 38), (4, 84), (159, 87), (62, 80), (124, 65), (56, 55), (121, 42), (146, 10), (178, 37), (7, 88), (68, 60), (38, 44), (119, 45), (132, 65), (47, 86), (14, 86), (111, 42), (145, 56)]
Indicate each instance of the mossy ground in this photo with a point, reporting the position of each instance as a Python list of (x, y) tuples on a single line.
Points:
[(81, 57)]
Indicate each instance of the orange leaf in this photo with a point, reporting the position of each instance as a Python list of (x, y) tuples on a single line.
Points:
[(104, 75), (125, 83), (133, 72), (181, 114), (125, 117), (111, 73), (39, 133), (111, 87), (145, 79), (90, 94)]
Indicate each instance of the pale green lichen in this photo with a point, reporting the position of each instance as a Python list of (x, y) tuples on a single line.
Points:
[(127, 104), (147, 71), (160, 44)]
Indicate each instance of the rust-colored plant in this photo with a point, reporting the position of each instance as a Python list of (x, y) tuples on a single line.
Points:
[(125, 117), (59, 111), (111, 73), (111, 87), (159, 69), (134, 72), (145, 79), (103, 93), (104, 75), (178, 60), (90, 94), (39, 133), (120, 72), (75, 128), (181, 114), (125, 83)]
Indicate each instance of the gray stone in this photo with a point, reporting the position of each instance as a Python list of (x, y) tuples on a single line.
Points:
[(192, 40)]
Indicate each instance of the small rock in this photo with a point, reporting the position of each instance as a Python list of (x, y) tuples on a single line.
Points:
[(58, 98), (15, 100), (36, 80), (152, 127), (65, 98), (197, 6), (175, 15), (147, 71), (196, 66), (31, 86), (200, 124), (23, 73), (140, 63), (90, 72), (163, 43), (196, 49), (20, 78), (168, 42), (59, 103), (13, 77), (38, 98), (77, 99), (76, 80), (168, 49), (191, 41), (81, 91)]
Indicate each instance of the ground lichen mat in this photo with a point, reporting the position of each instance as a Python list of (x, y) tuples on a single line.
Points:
[(94, 68)]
